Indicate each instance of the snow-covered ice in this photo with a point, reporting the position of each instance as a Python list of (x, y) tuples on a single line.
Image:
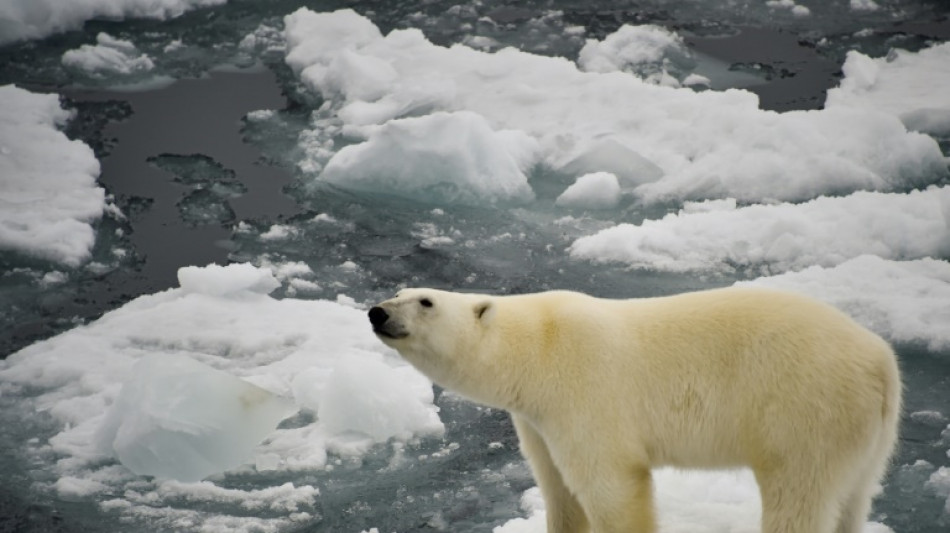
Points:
[(707, 144), (34, 19), (721, 236), (896, 85), (109, 56), (48, 203), (905, 301), (319, 355), (446, 157), (648, 51)]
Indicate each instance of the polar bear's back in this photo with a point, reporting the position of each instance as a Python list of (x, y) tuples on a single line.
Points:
[(721, 376)]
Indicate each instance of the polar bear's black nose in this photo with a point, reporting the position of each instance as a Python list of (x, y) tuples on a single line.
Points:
[(378, 316)]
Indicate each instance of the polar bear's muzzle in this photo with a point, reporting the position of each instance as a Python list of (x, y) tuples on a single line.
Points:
[(383, 326)]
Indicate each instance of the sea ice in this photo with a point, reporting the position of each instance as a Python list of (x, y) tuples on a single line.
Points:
[(825, 232), (710, 144), (109, 56), (180, 419), (908, 85), (321, 354), (34, 19), (48, 203)]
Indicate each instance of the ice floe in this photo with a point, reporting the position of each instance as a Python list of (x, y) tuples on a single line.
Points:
[(48, 203)]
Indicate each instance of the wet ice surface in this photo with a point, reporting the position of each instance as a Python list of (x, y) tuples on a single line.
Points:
[(514, 180)]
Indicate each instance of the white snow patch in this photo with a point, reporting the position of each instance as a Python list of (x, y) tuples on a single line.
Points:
[(48, 203), (599, 190), (707, 144), (780, 237), (908, 85), (109, 56), (904, 301), (35, 19)]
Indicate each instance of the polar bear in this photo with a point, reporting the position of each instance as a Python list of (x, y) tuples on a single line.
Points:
[(600, 391)]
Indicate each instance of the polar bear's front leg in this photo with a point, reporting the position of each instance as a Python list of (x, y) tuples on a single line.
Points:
[(620, 500), (564, 512)]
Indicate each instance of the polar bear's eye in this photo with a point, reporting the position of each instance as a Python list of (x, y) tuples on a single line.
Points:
[(425, 302)]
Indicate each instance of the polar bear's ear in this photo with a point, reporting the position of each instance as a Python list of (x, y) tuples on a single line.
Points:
[(484, 311)]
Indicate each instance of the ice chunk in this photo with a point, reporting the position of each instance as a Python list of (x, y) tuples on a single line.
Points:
[(181, 419), (48, 203), (453, 157), (33, 19), (908, 85), (217, 280), (824, 232), (905, 301), (222, 318), (939, 483), (109, 56), (599, 190), (648, 51)]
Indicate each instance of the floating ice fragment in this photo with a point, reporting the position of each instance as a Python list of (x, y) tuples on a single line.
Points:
[(216, 280), (647, 51), (109, 56), (825, 232), (48, 203), (599, 190), (33, 19), (908, 85), (180, 419)]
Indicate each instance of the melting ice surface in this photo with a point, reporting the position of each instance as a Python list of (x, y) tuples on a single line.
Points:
[(476, 147)]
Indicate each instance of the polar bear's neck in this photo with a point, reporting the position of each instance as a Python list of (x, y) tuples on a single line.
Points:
[(515, 363)]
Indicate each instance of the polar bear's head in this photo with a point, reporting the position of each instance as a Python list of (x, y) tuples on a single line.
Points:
[(433, 329)]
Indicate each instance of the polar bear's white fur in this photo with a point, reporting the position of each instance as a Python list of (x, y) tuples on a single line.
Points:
[(600, 391)]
